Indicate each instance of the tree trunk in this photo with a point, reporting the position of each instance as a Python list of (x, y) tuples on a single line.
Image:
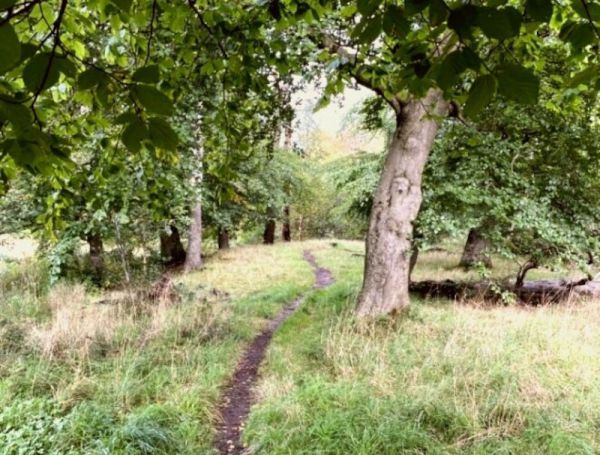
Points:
[(286, 229), (171, 249), (223, 239), (269, 232), (193, 261), (475, 251), (96, 257), (414, 256), (396, 205)]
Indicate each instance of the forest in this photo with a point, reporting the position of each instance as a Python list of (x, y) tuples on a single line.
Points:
[(299, 227)]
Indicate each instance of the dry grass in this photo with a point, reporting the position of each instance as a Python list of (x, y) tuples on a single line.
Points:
[(75, 328), (445, 378), (248, 269)]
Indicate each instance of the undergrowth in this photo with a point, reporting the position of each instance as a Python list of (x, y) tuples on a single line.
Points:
[(89, 373)]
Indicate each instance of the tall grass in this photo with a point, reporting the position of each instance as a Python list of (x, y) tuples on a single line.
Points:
[(444, 378), (113, 373), (130, 376)]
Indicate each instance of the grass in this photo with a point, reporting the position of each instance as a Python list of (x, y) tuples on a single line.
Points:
[(135, 377), (131, 377), (446, 378)]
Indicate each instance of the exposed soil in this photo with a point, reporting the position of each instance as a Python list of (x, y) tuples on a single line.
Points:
[(323, 277), (237, 396)]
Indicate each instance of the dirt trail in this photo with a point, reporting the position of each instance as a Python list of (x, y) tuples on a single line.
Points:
[(237, 397)]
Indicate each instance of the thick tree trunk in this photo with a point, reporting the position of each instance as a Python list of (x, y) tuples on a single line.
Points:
[(171, 248), (269, 232), (286, 229), (223, 239), (475, 250), (396, 205), (414, 256), (193, 261), (96, 257)]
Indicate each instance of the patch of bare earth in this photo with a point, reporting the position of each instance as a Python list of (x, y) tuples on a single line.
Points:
[(237, 396)]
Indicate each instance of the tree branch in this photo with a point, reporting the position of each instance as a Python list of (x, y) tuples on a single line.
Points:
[(589, 16), (332, 46), (192, 4), (151, 31), (27, 7), (56, 32)]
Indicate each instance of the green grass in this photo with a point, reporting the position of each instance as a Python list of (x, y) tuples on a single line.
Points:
[(78, 377), (445, 378), (82, 377)]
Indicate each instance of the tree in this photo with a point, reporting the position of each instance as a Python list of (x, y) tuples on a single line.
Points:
[(72, 65), (424, 60)]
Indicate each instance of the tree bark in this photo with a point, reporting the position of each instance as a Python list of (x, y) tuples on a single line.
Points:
[(414, 256), (193, 261), (475, 250), (269, 232), (96, 257), (171, 248), (396, 205), (223, 239), (286, 229)]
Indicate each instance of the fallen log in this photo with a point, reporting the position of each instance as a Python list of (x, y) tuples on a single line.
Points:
[(530, 293)]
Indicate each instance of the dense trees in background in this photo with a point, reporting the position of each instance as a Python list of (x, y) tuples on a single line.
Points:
[(139, 120)]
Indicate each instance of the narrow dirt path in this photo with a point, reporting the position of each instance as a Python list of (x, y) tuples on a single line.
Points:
[(237, 396)]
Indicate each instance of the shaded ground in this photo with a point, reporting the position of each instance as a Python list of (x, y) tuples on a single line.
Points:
[(237, 399)]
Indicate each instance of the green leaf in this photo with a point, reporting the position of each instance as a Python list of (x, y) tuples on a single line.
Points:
[(471, 59), (153, 100), (162, 135), (593, 9), (394, 22), (19, 115), (481, 93), (368, 29), (367, 7), (450, 69), (66, 66), (123, 5), (461, 19), (91, 78), (499, 23), (413, 7), (578, 34), (587, 76), (125, 118), (372, 31), (539, 10), (40, 71), (147, 74), (10, 48), (438, 12), (518, 83), (5, 4), (133, 135)]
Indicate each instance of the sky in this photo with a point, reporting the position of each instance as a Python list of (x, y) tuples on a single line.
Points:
[(331, 124)]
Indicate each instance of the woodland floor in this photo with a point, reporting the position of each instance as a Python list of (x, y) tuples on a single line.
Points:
[(77, 377)]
